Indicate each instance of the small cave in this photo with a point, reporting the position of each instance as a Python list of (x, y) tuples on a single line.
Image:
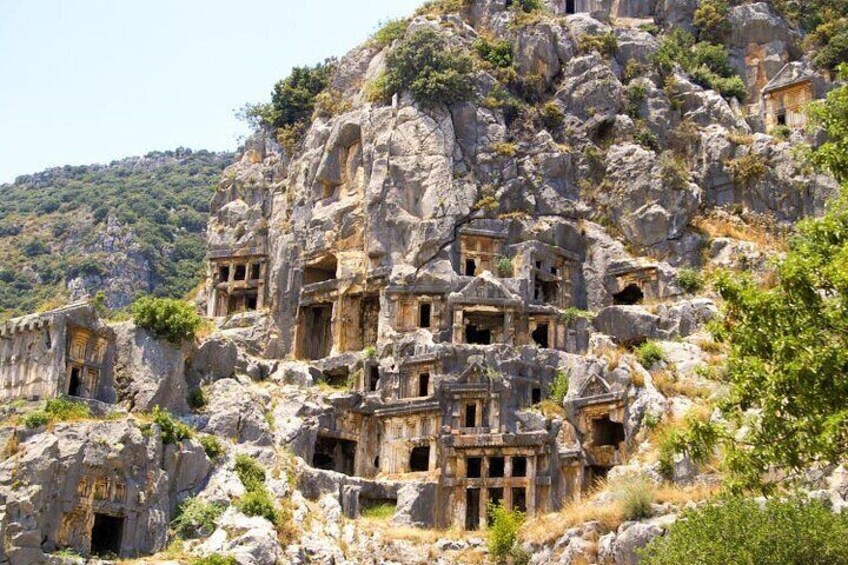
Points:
[(496, 467), (75, 384), (106, 534), (630, 296), (321, 270), (540, 336), (473, 467), (334, 454), (519, 466), (605, 432), (419, 459), (472, 509)]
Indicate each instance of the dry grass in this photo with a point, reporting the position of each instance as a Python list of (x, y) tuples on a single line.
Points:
[(758, 230), (681, 495), (551, 409), (613, 356), (548, 528)]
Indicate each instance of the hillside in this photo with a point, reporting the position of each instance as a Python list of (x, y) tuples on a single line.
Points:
[(133, 226), (513, 282)]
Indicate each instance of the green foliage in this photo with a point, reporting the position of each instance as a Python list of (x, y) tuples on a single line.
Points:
[(390, 31), (741, 531), (65, 409), (832, 116), (503, 266), (747, 170), (690, 280), (697, 438), (211, 446), (649, 353), (293, 98), (369, 352), (196, 518), (167, 318), (646, 138), (163, 198), (711, 20), (826, 24), (673, 171), (383, 511), (573, 313), (559, 388), (604, 43), (215, 559), (197, 399), (424, 64), (636, 497), (258, 502), (250, 472), (708, 64), (496, 53), (781, 132), (35, 419), (527, 6), (552, 116), (173, 431), (502, 535)]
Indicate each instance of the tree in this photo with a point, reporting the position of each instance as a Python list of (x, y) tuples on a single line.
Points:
[(429, 68), (293, 99), (166, 318), (788, 362), (832, 116)]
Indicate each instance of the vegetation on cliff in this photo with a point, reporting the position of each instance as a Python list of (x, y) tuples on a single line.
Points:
[(53, 227)]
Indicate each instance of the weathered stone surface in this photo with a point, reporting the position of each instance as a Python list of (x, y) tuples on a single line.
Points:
[(149, 372)]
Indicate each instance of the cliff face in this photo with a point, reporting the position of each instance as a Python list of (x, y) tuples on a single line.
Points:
[(421, 310)]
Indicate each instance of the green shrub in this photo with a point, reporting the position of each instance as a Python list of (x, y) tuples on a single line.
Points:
[(64, 409), (552, 116), (173, 431), (196, 518), (834, 52), (741, 531), (424, 64), (166, 318), (637, 495), (35, 419), (293, 98), (696, 438), (604, 43), (502, 535), (258, 502), (780, 132), (197, 399), (673, 171), (527, 6), (215, 559), (646, 138), (559, 388), (711, 20), (390, 31), (649, 353), (503, 266), (690, 280), (250, 472), (496, 53), (573, 313), (211, 446), (747, 170)]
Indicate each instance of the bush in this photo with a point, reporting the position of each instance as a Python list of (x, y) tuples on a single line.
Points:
[(293, 99), (690, 280), (637, 495), (711, 20), (552, 116), (258, 502), (35, 247), (65, 409), (649, 353), (747, 170), (197, 399), (379, 511), (503, 266), (250, 472), (604, 43), (496, 53), (390, 31), (502, 536), (167, 318), (196, 518), (424, 64), (741, 531), (211, 446), (527, 6), (215, 559), (781, 132), (646, 138), (559, 388), (673, 171), (36, 419), (173, 431)]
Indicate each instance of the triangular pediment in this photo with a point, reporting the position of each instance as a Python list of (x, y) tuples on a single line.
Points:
[(485, 289), (791, 73), (595, 386), (474, 373)]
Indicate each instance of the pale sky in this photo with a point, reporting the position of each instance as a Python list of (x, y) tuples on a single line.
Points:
[(89, 81)]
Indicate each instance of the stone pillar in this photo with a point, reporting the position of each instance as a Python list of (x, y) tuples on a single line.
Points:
[(458, 326), (531, 486)]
